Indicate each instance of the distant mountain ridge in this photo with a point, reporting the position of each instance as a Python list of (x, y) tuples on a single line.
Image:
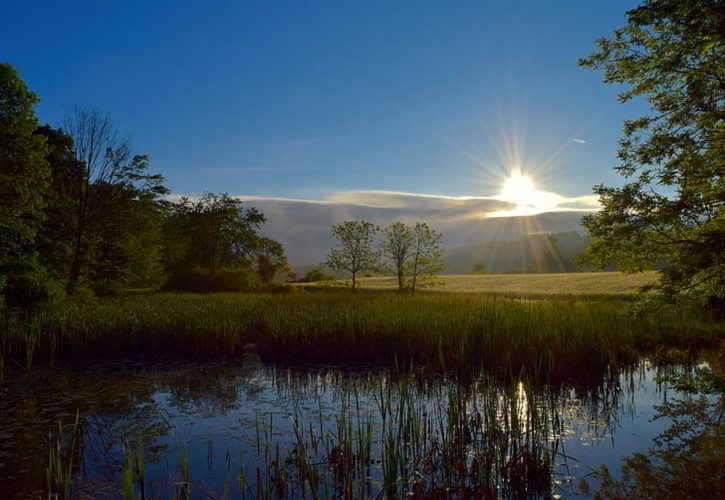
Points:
[(304, 229), (534, 253)]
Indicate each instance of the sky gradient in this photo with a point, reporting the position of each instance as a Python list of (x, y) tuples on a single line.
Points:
[(311, 100)]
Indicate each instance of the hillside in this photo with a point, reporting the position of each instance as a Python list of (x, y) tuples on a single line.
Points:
[(536, 253)]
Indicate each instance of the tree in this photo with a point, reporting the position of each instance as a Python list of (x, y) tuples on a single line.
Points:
[(426, 258), (670, 211), (109, 172), (479, 269), (212, 233), (54, 241), (270, 259), (127, 246), (24, 177), (354, 251), (396, 246)]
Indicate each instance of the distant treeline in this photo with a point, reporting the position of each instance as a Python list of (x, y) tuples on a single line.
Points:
[(534, 253), (80, 213)]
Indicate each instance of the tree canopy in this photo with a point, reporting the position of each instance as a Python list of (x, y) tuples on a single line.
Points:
[(212, 233), (412, 251), (396, 247), (81, 212), (24, 175), (107, 184), (354, 251), (669, 213)]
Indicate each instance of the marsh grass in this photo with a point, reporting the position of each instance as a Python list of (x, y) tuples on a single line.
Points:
[(439, 439), (61, 461), (557, 337)]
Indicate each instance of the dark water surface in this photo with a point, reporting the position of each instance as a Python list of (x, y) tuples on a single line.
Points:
[(243, 423)]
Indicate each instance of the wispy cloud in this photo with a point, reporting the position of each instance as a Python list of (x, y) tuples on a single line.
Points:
[(402, 205), (579, 141), (415, 206), (303, 225), (403, 200)]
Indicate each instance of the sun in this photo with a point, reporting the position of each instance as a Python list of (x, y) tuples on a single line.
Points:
[(520, 190)]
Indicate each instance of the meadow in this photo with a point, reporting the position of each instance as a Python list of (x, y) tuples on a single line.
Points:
[(524, 285)]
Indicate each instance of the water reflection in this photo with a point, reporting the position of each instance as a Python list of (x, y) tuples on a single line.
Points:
[(242, 427)]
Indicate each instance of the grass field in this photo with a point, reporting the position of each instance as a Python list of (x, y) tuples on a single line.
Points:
[(580, 284)]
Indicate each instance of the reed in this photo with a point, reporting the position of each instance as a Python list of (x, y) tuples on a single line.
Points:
[(59, 471), (551, 337), (432, 440)]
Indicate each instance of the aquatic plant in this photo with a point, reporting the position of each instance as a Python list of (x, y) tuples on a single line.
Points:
[(59, 472), (553, 338), (431, 440)]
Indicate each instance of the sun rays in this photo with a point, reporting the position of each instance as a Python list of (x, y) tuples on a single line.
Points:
[(520, 190)]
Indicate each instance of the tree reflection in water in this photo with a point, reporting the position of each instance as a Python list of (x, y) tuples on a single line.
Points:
[(688, 459)]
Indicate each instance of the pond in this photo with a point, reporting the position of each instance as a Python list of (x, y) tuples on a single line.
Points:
[(241, 428)]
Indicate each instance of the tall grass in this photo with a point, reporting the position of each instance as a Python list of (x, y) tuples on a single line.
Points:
[(552, 337), (436, 440), (59, 471)]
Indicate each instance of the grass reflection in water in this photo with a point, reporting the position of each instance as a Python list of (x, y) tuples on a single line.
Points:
[(251, 431)]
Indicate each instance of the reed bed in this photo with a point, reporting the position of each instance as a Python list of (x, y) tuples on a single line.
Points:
[(549, 337), (399, 438), (446, 440)]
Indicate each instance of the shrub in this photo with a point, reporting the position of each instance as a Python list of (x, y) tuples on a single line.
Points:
[(203, 281), (314, 275)]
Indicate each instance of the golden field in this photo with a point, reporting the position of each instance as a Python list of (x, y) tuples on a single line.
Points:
[(602, 283)]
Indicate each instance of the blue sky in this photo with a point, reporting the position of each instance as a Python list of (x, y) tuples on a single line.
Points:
[(311, 100)]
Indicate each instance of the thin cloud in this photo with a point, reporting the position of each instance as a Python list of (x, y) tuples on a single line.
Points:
[(303, 225), (587, 203), (579, 141), (404, 205)]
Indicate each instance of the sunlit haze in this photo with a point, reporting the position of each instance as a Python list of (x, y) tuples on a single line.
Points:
[(520, 190)]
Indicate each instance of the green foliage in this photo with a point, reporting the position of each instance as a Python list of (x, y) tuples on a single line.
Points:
[(316, 274), (204, 281), (354, 251), (80, 211), (23, 182), (115, 207), (426, 258), (396, 247), (479, 269), (672, 208), (687, 459), (127, 246), (551, 338), (217, 233), (412, 252), (54, 242), (270, 259), (211, 233)]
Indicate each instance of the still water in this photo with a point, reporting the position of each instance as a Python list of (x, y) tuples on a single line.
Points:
[(242, 428)]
